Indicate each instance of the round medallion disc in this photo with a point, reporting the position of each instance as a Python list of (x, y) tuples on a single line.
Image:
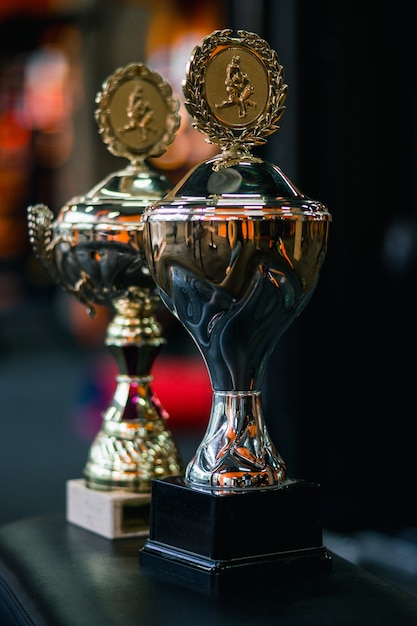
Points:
[(137, 115), (234, 89)]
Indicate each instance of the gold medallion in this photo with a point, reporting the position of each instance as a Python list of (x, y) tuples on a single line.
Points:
[(234, 89), (137, 115)]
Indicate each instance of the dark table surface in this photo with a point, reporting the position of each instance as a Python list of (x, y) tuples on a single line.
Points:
[(54, 573)]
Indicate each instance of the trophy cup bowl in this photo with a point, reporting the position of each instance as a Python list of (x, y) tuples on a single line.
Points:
[(94, 250), (235, 249), (236, 269)]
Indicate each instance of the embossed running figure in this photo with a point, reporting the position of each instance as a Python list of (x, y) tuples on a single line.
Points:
[(239, 88), (139, 114)]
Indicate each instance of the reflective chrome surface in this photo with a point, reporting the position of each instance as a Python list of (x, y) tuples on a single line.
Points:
[(94, 250), (236, 250)]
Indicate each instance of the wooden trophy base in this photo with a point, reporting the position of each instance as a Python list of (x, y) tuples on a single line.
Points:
[(111, 514), (216, 541)]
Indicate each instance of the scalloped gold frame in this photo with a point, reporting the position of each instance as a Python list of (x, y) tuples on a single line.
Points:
[(167, 119)]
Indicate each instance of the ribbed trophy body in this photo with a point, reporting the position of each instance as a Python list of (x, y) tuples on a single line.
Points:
[(236, 253)]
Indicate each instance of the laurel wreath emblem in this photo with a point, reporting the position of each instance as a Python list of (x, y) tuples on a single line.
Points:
[(195, 102)]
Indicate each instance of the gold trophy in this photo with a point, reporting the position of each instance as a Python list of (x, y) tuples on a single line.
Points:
[(94, 250), (235, 249)]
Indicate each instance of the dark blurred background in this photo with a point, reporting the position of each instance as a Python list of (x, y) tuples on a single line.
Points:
[(339, 395)]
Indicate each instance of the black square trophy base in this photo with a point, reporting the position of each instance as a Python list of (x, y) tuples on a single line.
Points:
[(214, 541)]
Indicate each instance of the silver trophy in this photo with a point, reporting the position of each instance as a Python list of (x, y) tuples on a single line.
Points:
[(235, 249), (94, 250)]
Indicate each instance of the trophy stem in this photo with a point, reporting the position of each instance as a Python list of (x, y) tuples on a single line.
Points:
[(236, 451), (134, 444)]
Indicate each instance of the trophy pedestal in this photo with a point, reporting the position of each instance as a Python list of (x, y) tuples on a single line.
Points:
[(112, 514), (215, 541)]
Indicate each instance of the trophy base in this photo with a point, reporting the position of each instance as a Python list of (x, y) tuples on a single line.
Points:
[(215, 541), (111, 514)]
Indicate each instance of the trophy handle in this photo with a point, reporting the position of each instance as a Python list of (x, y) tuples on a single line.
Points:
[(40, 219)]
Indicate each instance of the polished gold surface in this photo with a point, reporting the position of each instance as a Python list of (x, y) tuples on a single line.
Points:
[(93, 248), (236, 249), (136, 113), (236, 268), (234, 89)]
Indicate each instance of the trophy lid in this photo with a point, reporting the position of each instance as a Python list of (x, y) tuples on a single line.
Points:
[(235, 91), (137, 118)]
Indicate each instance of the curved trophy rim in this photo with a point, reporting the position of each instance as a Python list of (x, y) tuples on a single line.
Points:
[(197, 88), (142, 75)]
